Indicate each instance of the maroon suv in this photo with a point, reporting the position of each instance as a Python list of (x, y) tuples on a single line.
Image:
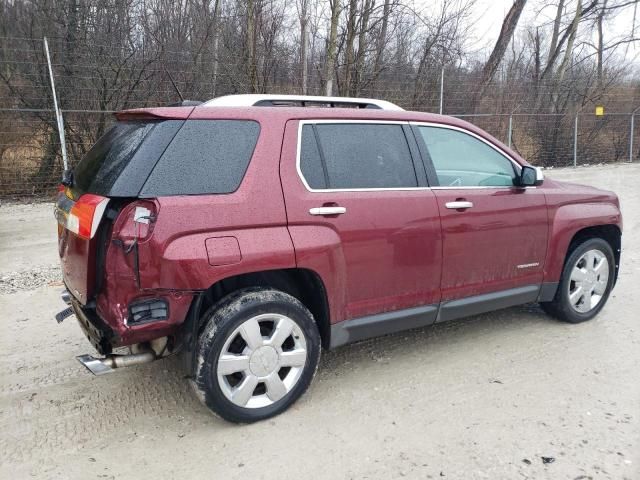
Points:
[(249, 232)]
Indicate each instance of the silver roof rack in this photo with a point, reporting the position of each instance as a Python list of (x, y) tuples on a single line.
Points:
[(257, 100)]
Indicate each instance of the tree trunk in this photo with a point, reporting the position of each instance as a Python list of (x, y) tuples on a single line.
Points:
[(331, 47), (216, 40), (304, 20), (381, 44), (251, 46), (351, 36), (556, 30), (562, 69), (599, 21), (506, 33), (362, 47)]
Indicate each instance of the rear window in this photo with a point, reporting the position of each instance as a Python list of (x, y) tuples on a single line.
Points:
[(103, 165), (169, 157), (206, 156)]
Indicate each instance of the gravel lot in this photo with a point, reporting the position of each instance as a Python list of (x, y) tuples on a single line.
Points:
[(486, 397)]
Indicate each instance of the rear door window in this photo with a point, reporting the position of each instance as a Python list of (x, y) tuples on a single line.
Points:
[(206, 156), (356, 155)]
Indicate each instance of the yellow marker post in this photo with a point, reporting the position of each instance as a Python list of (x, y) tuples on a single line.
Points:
[(599, 111)]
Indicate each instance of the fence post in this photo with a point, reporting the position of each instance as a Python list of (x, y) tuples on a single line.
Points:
[(59, 121), (575, 141), (631, 128), (441, 89), (510, 130)]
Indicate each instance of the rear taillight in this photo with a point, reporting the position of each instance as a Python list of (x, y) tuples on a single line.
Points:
[(85, 215)]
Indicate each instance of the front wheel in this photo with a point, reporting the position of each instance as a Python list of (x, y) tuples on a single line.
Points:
[(257, 354), (585, 284)]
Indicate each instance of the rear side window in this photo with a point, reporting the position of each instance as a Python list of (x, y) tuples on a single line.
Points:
[(205, 156), (310, 161), (358, 155)]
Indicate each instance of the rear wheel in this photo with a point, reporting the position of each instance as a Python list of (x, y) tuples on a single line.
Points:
[(257, 355), (585, 284)]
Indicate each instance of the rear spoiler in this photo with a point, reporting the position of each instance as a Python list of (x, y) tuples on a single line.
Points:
[(160, 113)]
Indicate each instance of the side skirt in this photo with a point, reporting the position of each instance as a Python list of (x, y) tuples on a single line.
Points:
[(381, 324), (390, 322)]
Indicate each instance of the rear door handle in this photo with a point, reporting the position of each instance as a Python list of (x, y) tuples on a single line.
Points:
[(458, 205), (327, 210)]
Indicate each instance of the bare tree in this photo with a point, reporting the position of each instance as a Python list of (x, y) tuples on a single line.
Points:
[(506, 34), (330, 61), (303, 18)]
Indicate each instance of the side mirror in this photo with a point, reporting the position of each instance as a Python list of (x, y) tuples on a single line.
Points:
[(530, 176)]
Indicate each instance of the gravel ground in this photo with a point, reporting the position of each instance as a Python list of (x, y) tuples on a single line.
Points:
[(494, 396)]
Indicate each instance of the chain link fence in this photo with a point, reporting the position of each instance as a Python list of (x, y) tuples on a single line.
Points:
[(31, 163), (91, 85)]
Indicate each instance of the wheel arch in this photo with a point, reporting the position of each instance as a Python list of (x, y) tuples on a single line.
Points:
[(304, 284), (609, 232), (575, 222)]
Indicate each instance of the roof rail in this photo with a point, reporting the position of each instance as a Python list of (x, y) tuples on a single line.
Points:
[(257, 100), (185, 103)]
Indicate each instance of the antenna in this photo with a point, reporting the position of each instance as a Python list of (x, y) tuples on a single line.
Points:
[(174, 84), (60, 123)]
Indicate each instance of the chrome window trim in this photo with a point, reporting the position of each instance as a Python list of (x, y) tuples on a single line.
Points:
[(478, 137), (301, 123)]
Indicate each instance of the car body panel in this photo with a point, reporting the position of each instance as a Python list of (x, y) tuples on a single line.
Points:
[(393, 250), (571, 208), (385, 252), (497, 244)]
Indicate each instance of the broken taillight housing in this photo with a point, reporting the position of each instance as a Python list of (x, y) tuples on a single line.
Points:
[(83, 216)]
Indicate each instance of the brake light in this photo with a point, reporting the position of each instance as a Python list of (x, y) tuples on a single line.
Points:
[(85, 215)]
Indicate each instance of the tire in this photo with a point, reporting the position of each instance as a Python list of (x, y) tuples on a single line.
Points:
[(257, 355), (574, 306)]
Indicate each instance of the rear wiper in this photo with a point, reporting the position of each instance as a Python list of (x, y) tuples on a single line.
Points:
[(67, 178)]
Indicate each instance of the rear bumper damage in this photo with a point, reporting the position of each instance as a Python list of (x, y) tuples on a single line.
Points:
[(99, 334), (102, 338)]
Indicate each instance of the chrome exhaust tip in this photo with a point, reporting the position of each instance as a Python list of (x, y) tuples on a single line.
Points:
[(108, 364), (65, 296)]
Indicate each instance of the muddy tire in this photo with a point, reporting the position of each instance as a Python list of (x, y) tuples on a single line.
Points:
[(586, 282), (257, 354)]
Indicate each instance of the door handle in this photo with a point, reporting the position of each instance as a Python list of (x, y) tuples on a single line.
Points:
[(459, 205), (327, 210)]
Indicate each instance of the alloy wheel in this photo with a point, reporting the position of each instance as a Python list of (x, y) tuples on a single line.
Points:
[(262, 360), (588, 281)]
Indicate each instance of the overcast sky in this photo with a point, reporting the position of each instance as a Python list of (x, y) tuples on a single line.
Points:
[(490, 14)]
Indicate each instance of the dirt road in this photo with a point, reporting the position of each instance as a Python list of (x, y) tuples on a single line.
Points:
[(485, 397)]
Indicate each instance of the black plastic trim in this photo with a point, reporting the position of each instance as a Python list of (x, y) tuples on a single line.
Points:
[(487, 302), (548, 291), (381, 324), (390, 322), (430, 169), (101, 336)]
